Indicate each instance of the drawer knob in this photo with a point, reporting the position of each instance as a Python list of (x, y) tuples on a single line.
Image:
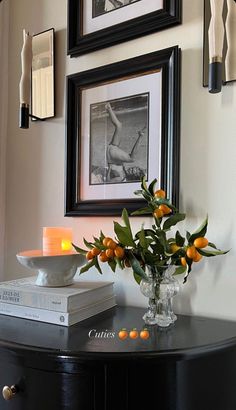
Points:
[(9, 392)]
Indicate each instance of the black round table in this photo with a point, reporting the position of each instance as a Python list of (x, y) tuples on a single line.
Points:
[(188, 366)]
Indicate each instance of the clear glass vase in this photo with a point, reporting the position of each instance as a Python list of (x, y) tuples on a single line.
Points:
[(168, 287), (149, 288), (159, 288)]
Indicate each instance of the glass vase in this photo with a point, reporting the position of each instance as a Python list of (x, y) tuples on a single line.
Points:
[(159, 288), (149, 288), (168, 287)]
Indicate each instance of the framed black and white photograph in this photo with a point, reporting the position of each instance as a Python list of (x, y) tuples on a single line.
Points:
[(95, 24), (100, 7), (122, 124), (119, 136)]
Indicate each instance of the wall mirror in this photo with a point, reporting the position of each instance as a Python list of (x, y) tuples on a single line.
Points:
[(43, 76)]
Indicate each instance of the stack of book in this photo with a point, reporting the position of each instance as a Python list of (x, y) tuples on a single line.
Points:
[(63, 306)]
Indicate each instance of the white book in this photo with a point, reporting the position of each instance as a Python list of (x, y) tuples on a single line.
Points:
[(61, 299), (57, 318)]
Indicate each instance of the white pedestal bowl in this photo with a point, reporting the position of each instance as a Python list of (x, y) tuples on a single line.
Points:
[(53, 270)]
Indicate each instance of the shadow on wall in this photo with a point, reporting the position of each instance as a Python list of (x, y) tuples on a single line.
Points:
[(60, 69), (191, 11), (195, 130), (182, 303)]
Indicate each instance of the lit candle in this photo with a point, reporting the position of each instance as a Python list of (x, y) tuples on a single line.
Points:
[(25, 81), (56, 240)]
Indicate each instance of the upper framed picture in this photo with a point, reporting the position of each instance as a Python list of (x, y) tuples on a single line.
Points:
[(95, 24), (122, 124)]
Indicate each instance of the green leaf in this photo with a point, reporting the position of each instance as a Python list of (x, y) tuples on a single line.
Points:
[(119, 263), (136, 267), (146, 196), (88, 266), (102, 236), (138, 192), (143, 184), (162, 239), (151, 186), (88, 244), (188, 234), (112, 264), (163, 201), (79, 250), (96, 264), (179, 240), (189, 263), (148, 232), (125, 217), (211, 253), (99, 246), (142, 239), (180, 270), (212, 245), (173, 220), (142, 211), (158, 248), (123, 234), (137, 278), (200, 232)]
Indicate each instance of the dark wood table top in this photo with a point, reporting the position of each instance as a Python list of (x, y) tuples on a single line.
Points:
[(189, 336)]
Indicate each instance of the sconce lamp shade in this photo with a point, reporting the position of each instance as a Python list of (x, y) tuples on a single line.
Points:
[(216, 39), (25, 81)]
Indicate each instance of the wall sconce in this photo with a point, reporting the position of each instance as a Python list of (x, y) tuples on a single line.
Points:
[(37, 79), (219, 50)]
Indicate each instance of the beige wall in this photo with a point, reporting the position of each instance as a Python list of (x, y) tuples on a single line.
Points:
[(4, 29), (35, 158)]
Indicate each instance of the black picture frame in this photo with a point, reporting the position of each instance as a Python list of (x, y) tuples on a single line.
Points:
[(78, 43), (168, 61)]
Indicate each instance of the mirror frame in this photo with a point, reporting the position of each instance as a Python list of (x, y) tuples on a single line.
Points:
[(53, 83)]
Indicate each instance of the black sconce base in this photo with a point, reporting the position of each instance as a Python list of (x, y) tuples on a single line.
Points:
[(24, 116), (215, 78)]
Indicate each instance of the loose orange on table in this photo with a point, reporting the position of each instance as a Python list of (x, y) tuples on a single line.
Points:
[(133, 334), (123, 334), (144, 334)]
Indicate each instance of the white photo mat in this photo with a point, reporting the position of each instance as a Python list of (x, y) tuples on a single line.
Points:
[(117, 16), (146, 83)]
